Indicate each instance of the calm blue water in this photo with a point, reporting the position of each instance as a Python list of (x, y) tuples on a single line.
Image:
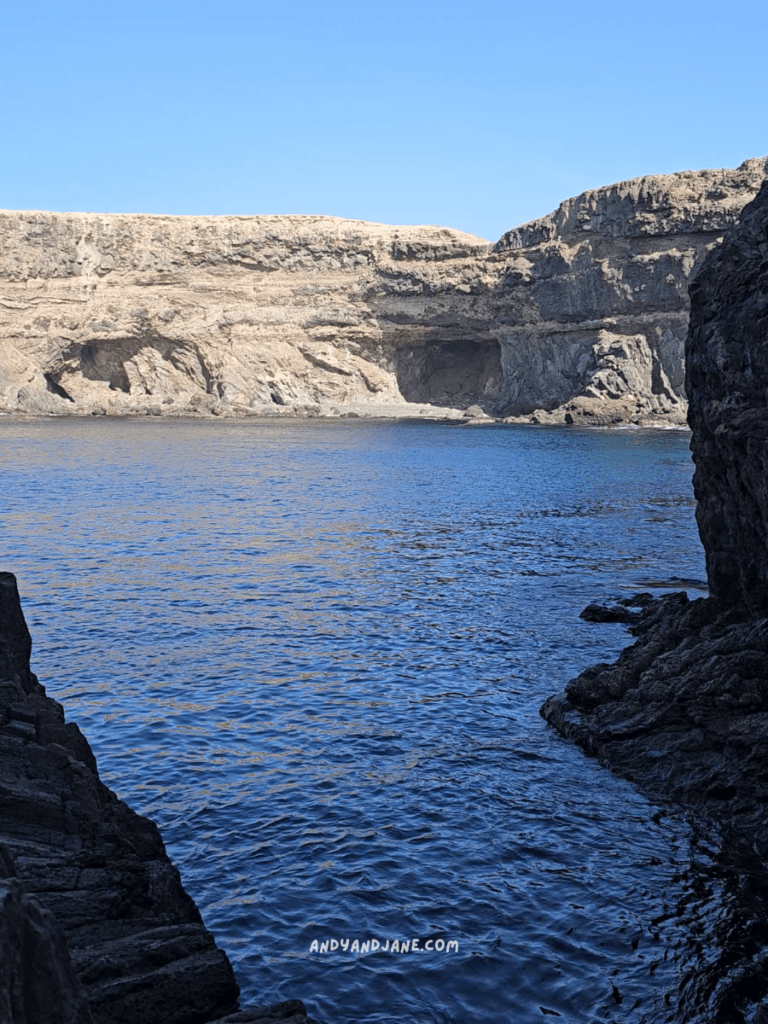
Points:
[(314, 653)]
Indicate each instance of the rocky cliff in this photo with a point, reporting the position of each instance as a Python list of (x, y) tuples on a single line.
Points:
[(38, 984), (580, 316), (685, 710), (728, 382), (94, 922)]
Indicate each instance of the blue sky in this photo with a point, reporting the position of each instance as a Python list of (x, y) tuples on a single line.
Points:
[(477, 115)]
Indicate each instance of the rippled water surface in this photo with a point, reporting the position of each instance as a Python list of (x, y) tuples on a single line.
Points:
[(314, 653)]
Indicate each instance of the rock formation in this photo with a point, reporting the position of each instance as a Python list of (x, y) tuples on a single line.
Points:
[(727, 379), (577, 317), (684, 711), (38, 984), (82, 857)]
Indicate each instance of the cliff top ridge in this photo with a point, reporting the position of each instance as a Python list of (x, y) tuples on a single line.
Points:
[(654, 204)]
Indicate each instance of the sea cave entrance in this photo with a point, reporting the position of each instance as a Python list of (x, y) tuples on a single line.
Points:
[(456, 374)]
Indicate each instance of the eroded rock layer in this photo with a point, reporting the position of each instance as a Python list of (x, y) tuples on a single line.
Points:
[(580, 316)]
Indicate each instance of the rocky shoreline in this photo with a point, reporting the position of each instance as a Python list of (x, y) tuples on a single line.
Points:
[(414, 413), (684, 711), (95, 925)]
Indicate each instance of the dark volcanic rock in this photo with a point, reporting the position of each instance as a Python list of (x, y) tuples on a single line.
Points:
[(292, 1011), (621, 611), (38, 984), (727, 381), (684, 712), (95, 927)]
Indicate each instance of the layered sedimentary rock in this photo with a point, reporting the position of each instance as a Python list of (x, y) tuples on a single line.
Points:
[(135, 938), (38, 984), (728, 382), (684, 711), (580, 316)]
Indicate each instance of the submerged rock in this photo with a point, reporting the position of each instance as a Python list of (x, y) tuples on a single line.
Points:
[(135, 938)]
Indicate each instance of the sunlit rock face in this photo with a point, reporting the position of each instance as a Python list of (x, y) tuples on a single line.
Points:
[(727, 374), (577, 317), (595, 313)]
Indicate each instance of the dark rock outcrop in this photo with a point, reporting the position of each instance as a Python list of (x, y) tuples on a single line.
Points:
[(684, 712), (38, 984), (728, 382), (135, 938)]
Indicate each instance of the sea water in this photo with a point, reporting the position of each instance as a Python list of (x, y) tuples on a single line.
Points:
[(314, 653)]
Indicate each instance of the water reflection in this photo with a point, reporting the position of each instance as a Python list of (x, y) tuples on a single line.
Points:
[(315, 654)]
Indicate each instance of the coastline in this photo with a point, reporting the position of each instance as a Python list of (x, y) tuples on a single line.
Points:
[(683, 712), (578, 317), (405, 412)]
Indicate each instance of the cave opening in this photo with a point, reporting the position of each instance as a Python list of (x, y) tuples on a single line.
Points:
[(55, 388), (104, 364), (455, 374)]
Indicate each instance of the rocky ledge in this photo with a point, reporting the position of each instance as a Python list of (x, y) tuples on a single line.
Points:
[(95, 925), (684, 711), (579, 317)]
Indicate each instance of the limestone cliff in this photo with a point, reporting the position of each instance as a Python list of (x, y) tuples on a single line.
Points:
[(580, 316)]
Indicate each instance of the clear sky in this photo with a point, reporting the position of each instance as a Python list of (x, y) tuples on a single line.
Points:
[(478, 114)]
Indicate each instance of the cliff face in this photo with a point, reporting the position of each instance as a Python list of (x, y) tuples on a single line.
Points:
[(578, 316), (727, 356), (599, 324), (684, 711)]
